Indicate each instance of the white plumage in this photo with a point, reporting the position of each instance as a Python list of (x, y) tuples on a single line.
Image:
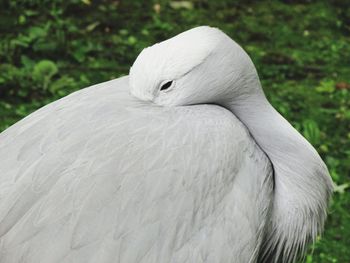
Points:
[(161, 175)]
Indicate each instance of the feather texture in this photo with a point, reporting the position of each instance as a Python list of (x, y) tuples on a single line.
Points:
[(165, 176), (100, 176)]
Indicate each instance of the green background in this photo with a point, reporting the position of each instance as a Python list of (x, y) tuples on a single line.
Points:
[(301, 49)]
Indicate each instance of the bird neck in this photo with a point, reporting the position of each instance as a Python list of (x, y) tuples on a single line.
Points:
[(302, 185)]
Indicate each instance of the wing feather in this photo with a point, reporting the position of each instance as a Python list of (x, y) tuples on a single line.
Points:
[(101, 177)]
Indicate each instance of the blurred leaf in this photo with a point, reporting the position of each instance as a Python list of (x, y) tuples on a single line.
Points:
[(132, 40), (37, 32), (27, 62), (181, 4), (341, 188), (327, 86), (87, 2), (22, 19), (92, 26), (43, 72), (60, 85), (311, 132), (333, 165)]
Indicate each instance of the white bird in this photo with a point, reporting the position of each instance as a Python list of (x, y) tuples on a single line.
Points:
[(195, 166)]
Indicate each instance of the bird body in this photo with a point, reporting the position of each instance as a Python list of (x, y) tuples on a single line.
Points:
[(114, 179), (162, 174)]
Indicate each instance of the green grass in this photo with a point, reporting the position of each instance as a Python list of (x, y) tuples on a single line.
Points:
[(49, 49)]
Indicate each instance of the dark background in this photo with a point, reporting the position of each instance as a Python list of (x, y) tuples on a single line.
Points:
[(301, 49)]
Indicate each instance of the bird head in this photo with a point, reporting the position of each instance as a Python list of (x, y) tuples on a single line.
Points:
[(201, 65)]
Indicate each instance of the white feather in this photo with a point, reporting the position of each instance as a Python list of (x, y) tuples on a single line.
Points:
[(102, 176)]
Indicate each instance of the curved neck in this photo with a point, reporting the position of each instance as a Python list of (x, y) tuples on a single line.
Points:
[(274, 134), (302, 183)]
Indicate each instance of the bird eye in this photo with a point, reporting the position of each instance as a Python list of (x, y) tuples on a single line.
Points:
[(166, 85)]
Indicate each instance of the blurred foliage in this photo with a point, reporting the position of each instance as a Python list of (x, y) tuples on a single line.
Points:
[(301, 49)]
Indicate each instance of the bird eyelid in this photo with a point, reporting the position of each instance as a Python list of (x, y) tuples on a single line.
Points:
[(166, 85)]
